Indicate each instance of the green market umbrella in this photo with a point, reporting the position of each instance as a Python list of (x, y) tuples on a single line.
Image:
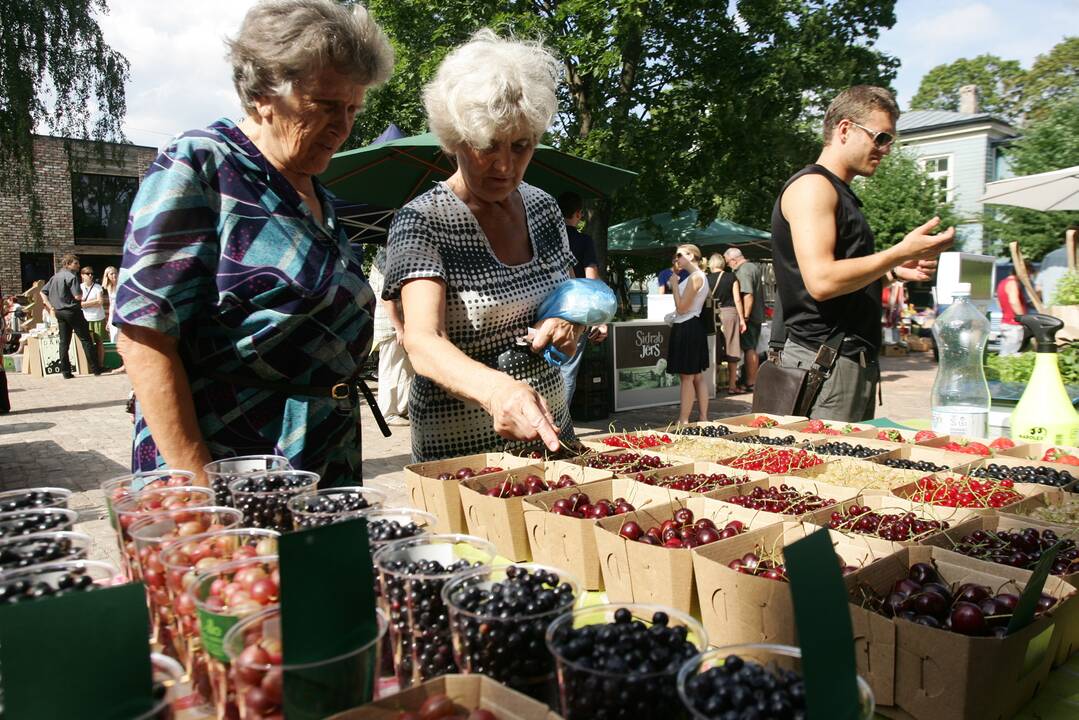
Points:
[(660, 233), (391, 173)]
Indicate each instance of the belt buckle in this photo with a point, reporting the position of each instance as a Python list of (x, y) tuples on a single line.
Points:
[(342, 394)]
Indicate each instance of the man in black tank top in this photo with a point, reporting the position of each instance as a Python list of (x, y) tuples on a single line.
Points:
[(827, 273)]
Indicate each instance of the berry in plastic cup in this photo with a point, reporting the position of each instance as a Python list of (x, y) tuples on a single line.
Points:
[(26, 522), (222, 472), (22, 551), (34, 498), (324, 507), (263, 496), (137, 506)]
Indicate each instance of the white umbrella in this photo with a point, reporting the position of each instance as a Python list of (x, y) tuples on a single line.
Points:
[(1056, 190)]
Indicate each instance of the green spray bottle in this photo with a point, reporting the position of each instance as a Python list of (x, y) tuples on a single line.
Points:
[(1045, 412)]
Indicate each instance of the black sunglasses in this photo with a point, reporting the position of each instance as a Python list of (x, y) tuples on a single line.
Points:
[(880, 139)]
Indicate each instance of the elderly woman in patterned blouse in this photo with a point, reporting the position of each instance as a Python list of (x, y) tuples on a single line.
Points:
[(243, 312), (472, 258)]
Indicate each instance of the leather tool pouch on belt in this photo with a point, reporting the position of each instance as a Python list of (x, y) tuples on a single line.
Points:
[(792, 391), (346, 393)]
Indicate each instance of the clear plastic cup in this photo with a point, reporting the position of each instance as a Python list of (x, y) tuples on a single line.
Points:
[(150, 534), (263, 496), (34, 498), (26, 522), (585, 692), (184, 560), (143, 503), (123, 486), (221, 473), (783, 661), (324, 507), (22, 551), (51, 579), (419, 624), (511, 650), (218, 609), (317, 690), (168, 676)]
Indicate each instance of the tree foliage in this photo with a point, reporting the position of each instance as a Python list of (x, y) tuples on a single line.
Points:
[(899, 197), (999, 81), (56, 73), (712, 103), (1049, 143), (1052, 80)]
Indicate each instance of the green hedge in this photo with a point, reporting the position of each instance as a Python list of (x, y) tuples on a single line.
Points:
[(1017, 368)]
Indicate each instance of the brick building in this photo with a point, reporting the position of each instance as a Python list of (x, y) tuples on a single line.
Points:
[(85, 209)]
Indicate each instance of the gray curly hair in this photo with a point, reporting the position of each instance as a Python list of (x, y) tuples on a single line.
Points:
[(491, 87), (285, 42)]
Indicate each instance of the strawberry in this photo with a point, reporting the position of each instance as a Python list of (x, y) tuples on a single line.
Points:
[(762, 421), (924, 435), (1002, 443), (848, 429), (891, 435), (977, 448), (1068, 459), (816, 426)]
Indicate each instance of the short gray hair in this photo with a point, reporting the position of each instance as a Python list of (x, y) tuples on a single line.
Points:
[(490, 87), (284, 42), (732, 254)]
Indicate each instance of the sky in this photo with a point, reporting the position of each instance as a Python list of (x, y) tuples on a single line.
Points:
[(179, 78)]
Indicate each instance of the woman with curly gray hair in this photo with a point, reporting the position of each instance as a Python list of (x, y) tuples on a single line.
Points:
[(244, 315), (472, 259)]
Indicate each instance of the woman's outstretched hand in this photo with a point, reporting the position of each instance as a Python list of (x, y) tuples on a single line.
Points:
[(520, 413)]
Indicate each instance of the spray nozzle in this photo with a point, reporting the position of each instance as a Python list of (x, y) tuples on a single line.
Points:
[(1043, 328)]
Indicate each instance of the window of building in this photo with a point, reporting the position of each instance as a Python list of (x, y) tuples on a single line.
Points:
[(939, 170), (34, 267), (100, 205)]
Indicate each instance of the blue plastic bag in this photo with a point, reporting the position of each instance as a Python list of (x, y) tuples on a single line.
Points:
[(581, 301)]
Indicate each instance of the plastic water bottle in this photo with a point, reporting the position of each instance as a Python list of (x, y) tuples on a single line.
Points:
[(960, 398)]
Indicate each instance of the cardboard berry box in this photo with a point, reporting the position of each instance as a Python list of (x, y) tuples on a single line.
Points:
[(838, 493), (1025, 490), (1037, 451), (891, 504), (1010, 461), (471, 692), (441, 497), (745, 436), (570, 543), (739, 608), (883, 447), (501, 521), (745, 420), (942, 440), (918, 453), (861, 476), (778, 467), (1052, 499), (1067, 617), (643, 438), (857, 430), (668, 458), (935, 674), (637, 572), (748, 478)]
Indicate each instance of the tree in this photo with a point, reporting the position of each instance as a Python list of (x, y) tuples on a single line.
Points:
[(711, 102), (56, 73), (1053, 79), (999, 81), (899, 197), (1047, 144)]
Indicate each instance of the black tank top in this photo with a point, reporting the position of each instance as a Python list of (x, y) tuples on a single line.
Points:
[(858, 314)]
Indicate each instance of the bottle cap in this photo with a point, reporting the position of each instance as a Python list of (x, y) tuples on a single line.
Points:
[(961, 289)]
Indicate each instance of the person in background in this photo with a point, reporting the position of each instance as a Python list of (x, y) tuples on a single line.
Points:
[(828, 275), (5, 332), (687, 351), (109, 280), (244, 313), (751, 284), (663, 279), (395, 372), (731, 321), (62, 297), (473, 257), (1010, 297), (584, 251), (94, 305)]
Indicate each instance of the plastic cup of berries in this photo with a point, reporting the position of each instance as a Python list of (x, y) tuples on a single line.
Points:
[(34, 498), (54, 579), (263, 496), (324, 507), (168, 677), (722, 683), (221, 473), (26, 522), (151, 533), (321, 688), (22, 551), (625, 655), (124, 486), (184, 560), (136, 506), (412, 574), (499, 618), (222, 597)]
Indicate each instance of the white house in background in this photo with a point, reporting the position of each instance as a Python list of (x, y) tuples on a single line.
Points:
[(962, 151)]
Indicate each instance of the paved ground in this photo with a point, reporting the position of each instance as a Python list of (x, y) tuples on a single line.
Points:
[(75, 434)]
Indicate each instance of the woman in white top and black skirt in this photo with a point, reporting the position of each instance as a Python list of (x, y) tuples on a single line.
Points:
[(687, 354)]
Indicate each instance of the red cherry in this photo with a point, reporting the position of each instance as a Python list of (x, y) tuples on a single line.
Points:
[(631, 531)]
